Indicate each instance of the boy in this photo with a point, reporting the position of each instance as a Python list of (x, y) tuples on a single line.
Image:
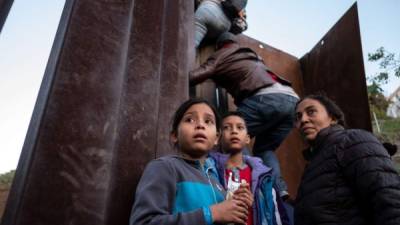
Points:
[(234, 167)]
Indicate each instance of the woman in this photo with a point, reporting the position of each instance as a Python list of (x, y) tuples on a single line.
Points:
[(350, 178)]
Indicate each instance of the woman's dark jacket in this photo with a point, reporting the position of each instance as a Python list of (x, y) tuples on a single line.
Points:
[(350, 179)]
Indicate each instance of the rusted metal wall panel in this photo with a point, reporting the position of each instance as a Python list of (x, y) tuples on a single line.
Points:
[(277, 60), (160, 56), (117, 72), (335, 66), (288, 66), (5, 6)]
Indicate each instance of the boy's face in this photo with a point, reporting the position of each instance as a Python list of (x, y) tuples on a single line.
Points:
[(234, 134)]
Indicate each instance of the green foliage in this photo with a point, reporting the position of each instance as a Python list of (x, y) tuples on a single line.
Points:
[(388, 64), (379, 113), (374, 89), (387, 61), (390, 130), (7, 178), (378, 105)]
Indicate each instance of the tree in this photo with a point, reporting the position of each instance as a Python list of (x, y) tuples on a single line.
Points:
[(7, 178), (388, 64)]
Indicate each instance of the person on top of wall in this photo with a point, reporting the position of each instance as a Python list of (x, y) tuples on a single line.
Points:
[(265, 99), (214, 17), (184, 189), (349, 178)]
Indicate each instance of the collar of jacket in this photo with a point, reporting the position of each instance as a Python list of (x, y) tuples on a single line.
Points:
[(196, 163), (258, 169), (322, 139)]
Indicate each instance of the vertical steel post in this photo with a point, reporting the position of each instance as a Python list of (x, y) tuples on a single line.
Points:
[(117, 71)]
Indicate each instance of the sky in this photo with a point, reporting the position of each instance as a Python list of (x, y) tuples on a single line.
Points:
[(293, 26)]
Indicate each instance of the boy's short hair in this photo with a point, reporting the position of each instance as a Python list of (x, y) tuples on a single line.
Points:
[(234, 113)]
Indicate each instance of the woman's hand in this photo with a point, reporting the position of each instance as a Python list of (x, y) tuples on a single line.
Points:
[(230, 211)]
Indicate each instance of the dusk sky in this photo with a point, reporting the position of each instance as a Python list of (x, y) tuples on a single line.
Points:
[(292, 26)]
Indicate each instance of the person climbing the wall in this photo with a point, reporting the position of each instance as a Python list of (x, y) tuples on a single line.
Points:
[(214, 17)]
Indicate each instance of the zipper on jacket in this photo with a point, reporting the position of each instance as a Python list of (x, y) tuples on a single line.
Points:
[(212, 186)]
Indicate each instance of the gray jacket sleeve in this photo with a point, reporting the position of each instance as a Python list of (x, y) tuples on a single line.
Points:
[(370, 172), (155, 196)]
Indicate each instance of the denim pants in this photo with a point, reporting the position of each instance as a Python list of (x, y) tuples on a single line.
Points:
[(269, 118), (210, 21)]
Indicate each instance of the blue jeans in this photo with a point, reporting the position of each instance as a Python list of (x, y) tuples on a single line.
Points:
[(269, 118), (210, 21)]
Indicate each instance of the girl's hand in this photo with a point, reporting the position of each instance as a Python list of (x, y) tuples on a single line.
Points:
[(230, 211), (244, 194)]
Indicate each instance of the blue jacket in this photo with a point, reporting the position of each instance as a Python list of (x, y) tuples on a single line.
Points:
[(262, 188), (175, 191)]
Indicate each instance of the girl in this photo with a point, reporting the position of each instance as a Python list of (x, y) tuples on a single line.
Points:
[(182, 189)]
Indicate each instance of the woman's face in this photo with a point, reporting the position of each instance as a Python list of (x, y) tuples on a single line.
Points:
[(311, 118)]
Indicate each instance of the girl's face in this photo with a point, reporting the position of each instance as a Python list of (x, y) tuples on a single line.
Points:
[(311, 117), (197, 131)]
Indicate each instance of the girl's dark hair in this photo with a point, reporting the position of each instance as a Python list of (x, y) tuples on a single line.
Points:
[(186, 105), (333, 110)]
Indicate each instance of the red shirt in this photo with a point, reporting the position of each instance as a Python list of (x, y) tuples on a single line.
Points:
[(244, 173), (273, 76)]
